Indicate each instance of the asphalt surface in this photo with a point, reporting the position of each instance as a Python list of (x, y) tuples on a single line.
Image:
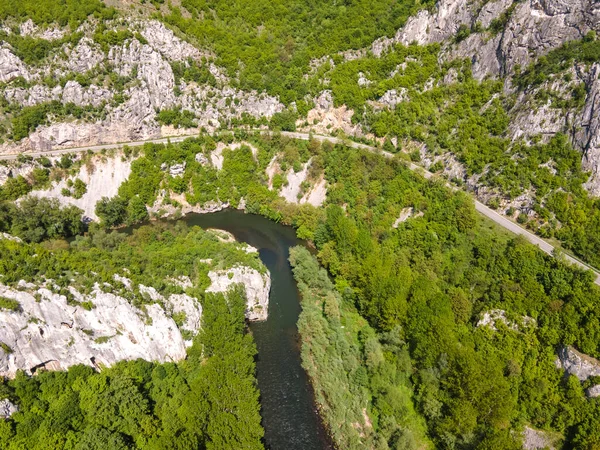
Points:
[(480, 207)]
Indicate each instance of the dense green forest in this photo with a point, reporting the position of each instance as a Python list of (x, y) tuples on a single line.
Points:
[(210, 400), (268, 45)]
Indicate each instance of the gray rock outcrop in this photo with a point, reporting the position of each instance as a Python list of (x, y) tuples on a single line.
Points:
[(578, 364), (7, 408), (11, 67), (48, 332), (151, 86), (51, 333), (587, 134), (256, 285), (536, 439)]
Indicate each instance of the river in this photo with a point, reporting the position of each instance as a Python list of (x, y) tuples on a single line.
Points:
[(289, 414)]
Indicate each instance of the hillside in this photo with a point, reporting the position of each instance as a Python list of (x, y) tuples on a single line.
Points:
[(423, 325)]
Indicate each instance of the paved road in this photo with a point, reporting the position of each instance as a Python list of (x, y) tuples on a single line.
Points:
[(501, 220), (480, 207)]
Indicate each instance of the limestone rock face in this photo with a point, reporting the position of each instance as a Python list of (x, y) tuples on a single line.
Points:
[(150, 87), (11, 67), (85, 56), (257, 288), (55, 334), (49, 333), (73, 92), (534, 28), (578, 364), (171, 47), (7, 408), (537, 26), (594, 391), (587, 136), (536, 439)]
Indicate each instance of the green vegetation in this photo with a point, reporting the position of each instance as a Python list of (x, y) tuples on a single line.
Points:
[(35, 220), (270, 43), (5, 348), (422, 290), (9, 304), (33, 50), (176, 117), (368, 377), (109, 38), (469, 120), (191, 70), (152, 254), (47, 12)]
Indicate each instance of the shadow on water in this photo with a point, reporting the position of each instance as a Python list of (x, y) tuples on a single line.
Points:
[(288, 409)]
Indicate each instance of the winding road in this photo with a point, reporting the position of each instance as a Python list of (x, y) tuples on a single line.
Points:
[(501, 220)]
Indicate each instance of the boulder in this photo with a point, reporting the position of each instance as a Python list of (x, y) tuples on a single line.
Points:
[(578, 364)]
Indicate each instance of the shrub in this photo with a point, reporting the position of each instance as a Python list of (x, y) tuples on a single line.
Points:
[(8, 304)]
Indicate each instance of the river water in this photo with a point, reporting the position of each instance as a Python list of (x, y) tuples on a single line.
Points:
[(288, 410)]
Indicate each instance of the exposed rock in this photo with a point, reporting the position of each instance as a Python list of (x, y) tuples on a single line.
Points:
[(363, 80), (587, 137), (537, 26), (85, 56), (48, 333), (202, 159), (28, 28), (536, 439), (7, 408), (490, 318), (481, 50), (222, 235), (176, 170), (317, 194), (189, 308), (492, 10), (391, 98), (578, 364), (294, 182), (406, 214), (73, 92), (153, 70), (10, 237), (52, 331), (534, 28), (102, 176), (593, 392), (168, 210), (257, 287), (11, 67), (324, 118), (171, 47)]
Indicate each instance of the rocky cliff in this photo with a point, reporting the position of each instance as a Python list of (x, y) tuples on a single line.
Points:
[(53, 331), (580, 365), (125, 84)]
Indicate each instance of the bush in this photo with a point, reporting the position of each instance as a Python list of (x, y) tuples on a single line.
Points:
[(79, 188), (284, 121), (112, 211), (8, 304)]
